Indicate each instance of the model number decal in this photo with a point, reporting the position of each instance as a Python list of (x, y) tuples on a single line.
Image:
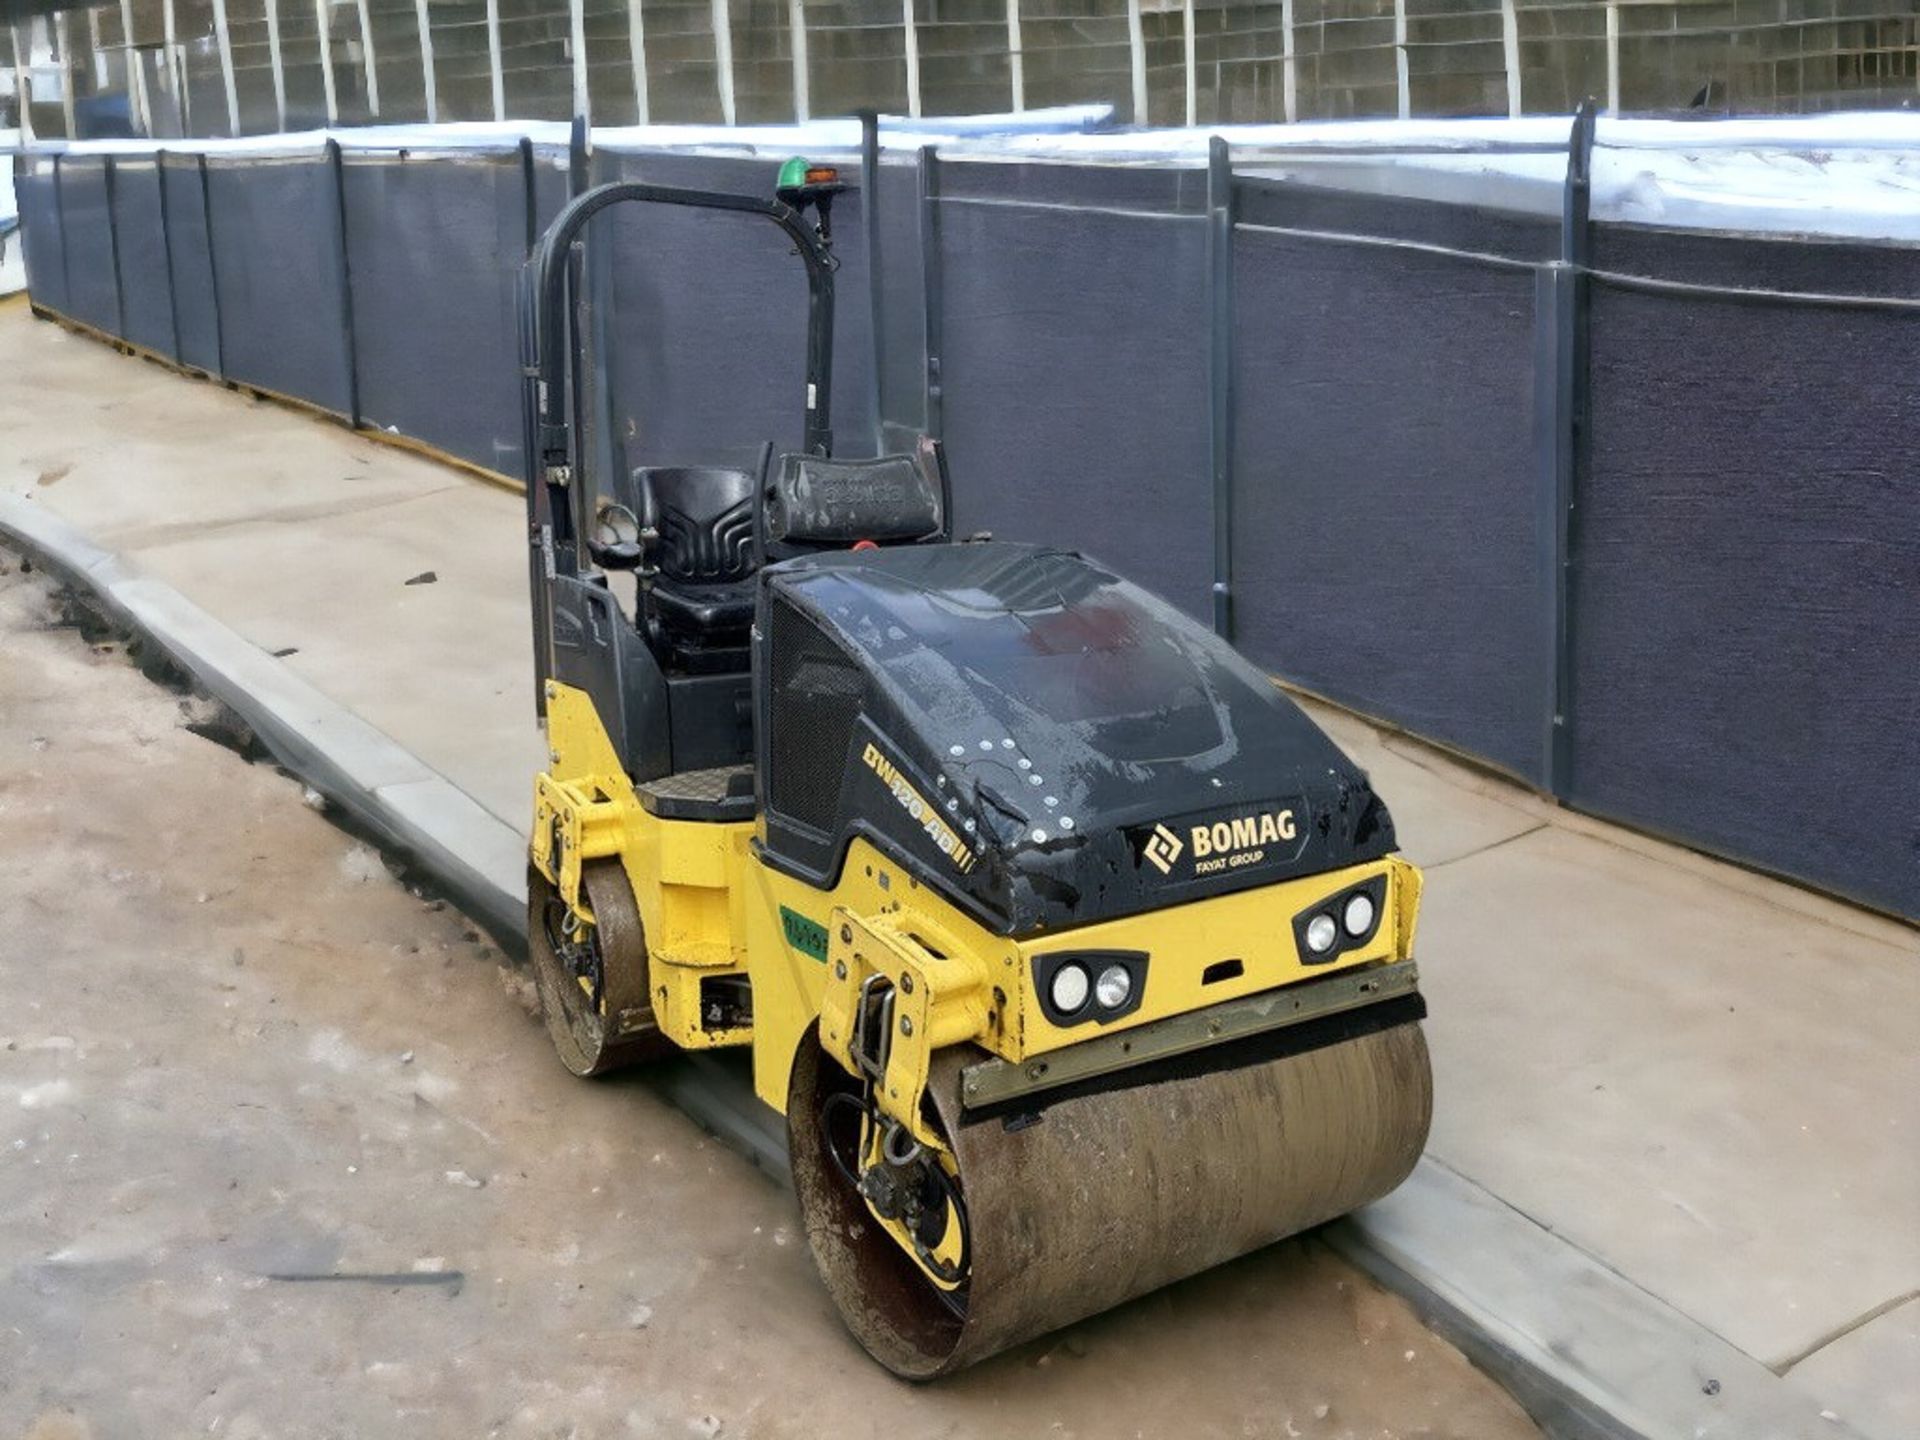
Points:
[(943, 835), (809, 937)]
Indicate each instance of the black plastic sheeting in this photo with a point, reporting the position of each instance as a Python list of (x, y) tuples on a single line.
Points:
[(1743, 652), (146, 290), (276, 255), (196, 311), (1746, 563), (550, 189), (1386, 527), (92, 284), (1073, 362), (35, 189), (434, 245)]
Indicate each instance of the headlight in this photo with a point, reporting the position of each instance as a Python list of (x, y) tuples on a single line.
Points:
[(1069, 991), (1337, 923), (1112, 988), (1321, 933), (1089, 987)]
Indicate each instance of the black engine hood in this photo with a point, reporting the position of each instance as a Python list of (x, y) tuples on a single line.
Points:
[(1079, 749)]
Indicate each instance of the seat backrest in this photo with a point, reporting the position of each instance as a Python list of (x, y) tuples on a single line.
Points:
[(704, 515), (814, 503)]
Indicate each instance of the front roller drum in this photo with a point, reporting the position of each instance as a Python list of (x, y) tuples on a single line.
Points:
[(592, 979), (1109, 1195)]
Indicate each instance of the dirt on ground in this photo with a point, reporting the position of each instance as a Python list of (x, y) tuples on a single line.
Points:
[(283, 1153)]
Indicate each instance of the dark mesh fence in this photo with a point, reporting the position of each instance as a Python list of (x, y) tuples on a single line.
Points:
[(549, 188), (434, 247), (87, 230), (1739, 663), (190, 260), (1746, 554), (1386, 529), (1072, 352), (36, 191), (276, 257), (705, 337), (140, 237)]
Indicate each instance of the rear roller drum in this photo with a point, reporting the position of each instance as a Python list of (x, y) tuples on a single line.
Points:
[(1104, 1196), (592, 975)]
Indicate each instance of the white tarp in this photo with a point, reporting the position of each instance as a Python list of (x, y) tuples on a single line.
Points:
[(1851, 175), (839, 134), (13, 269)]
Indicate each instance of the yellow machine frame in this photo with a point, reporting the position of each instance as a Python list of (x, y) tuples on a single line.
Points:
[(710, 907)]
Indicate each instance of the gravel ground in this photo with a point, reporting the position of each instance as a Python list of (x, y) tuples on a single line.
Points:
[(283, 1153)]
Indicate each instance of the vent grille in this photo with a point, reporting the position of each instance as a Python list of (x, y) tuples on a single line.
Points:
[(815, 702)]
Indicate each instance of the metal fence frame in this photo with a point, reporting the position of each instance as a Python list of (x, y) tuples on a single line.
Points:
[(1560, 362)]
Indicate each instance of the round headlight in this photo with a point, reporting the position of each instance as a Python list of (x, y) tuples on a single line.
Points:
[(1113, 987), (1321, 933), (1359, 914), (1069, 990)]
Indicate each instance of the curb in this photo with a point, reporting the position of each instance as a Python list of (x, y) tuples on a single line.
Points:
[(407, 807), (1587, 1353)]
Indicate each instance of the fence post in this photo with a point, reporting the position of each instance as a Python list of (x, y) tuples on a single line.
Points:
[(213, 269), (870, 224), (337, 166), (1220, 375), (1571, 399), (578, 156), (110, 174), (930, 286), (166, 250), (529, 183), (1552, 321), (60, 214)]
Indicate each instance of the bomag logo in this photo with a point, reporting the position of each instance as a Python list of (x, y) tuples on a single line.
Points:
[(1212, 846), (1246, 833), (943, 835), (1163, 847)]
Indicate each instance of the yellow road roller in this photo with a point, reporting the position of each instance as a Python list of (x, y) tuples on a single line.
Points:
[(1076, 957)]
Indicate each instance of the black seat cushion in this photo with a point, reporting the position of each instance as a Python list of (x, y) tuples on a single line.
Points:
[(704, 515), (817, 503), (702, 593), (717, 611)]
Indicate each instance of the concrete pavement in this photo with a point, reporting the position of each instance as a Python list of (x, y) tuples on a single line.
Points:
[(321, 1178), (1696, 1088)]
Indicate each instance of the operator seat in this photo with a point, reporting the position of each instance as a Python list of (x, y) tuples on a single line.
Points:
[(812, 503), (707, 529), (698, 609)]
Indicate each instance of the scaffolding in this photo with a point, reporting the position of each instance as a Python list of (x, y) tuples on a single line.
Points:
[(227, 67)]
